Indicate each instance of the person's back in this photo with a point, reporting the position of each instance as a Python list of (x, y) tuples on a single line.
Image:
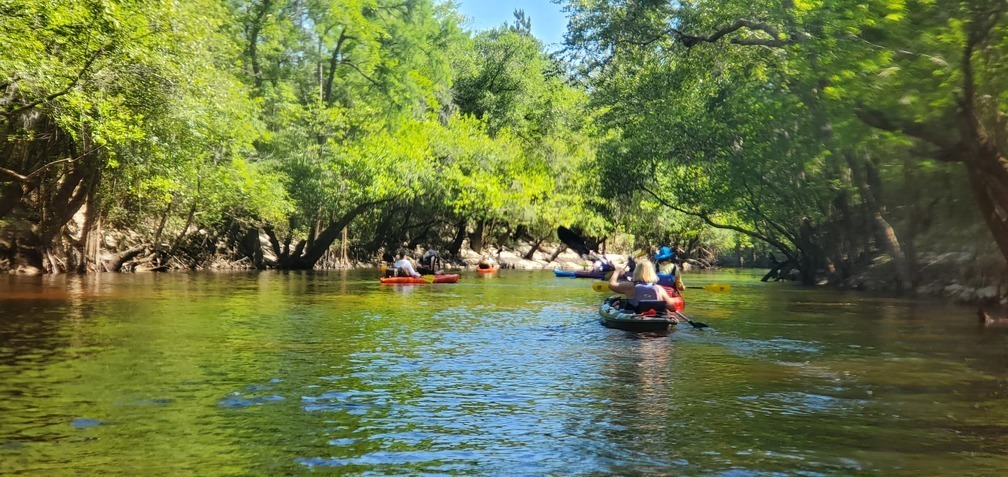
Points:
[(429, 257), (643, 292), (486, 263), (403, 266)]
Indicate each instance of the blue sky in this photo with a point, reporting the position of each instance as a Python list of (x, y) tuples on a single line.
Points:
[(548, 23)]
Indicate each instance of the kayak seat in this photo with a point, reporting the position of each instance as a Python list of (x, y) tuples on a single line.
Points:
[(658, 307)]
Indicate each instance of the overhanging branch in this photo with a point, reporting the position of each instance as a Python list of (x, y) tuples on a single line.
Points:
[(39, 170), (914, 129), (773, 38), (709, 221), (776, 39)]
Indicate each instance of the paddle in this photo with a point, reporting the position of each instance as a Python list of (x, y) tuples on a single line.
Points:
[(572, 240), (603, 287), (714, 287), (696, 324), (428, 278)]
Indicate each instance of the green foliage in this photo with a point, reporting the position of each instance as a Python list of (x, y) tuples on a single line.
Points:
[(759, 116), (713, 131), (415, 113), (149, 99)]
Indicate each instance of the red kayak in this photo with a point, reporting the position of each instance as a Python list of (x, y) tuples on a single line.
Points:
[(443, 278)]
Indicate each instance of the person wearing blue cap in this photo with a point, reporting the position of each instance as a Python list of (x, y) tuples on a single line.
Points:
[(666, 260)]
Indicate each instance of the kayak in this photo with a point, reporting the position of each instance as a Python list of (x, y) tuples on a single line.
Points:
[(616, 317), (486, 270), (443, 278), (580, 274)]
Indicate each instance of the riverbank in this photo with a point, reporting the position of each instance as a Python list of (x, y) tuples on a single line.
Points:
[(962, 277), (967, 278)]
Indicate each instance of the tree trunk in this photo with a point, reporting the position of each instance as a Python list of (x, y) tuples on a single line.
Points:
[(185, 229), (992, 198), (121, 258), (460, 233), (252, 248), (58, 209), (533, 249), (344, 259), (884, 231), (305, 257), (90, 239), (779, 271), (557, 253), (381, 232), (476, 238), (161, 225)]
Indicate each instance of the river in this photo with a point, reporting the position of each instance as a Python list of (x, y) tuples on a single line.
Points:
[(329, 372)]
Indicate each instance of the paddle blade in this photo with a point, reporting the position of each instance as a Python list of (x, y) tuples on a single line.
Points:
[(572, 240), (714, 287), (428, 278), (695, 324), (600, 286), (718, 287)]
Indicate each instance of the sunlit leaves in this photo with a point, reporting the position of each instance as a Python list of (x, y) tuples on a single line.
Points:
[(149, 88), (288, 113)]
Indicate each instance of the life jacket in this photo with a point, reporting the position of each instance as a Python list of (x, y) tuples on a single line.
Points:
[(646, 301), (643, 292)]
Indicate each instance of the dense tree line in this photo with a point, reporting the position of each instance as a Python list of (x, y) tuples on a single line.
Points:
[(829, 135), (172, 133), (834, 132)]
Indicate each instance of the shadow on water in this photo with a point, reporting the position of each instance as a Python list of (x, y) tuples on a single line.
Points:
[(286, 373)]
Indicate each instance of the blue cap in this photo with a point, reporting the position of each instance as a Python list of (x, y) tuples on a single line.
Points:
[(664, 253)]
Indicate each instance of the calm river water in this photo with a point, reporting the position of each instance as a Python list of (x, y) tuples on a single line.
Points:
[(294, 373)]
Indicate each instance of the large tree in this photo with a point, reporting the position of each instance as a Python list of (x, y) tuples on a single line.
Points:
[(344, 83), (734, 99), (108, 108)]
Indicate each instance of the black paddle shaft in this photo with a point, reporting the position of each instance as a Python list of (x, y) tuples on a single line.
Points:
[(572, 240), (696, 324)]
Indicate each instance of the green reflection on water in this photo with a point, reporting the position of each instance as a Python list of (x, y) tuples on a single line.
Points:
[(280, 373)]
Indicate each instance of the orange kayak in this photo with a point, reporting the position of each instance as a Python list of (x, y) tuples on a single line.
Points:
[(486, 270)]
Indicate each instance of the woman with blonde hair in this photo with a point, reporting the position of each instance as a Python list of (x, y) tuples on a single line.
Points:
[(644, 286)]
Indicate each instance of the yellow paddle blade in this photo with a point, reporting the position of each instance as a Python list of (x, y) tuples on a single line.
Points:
[(600, 286), (717, 287), (428, 278)]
